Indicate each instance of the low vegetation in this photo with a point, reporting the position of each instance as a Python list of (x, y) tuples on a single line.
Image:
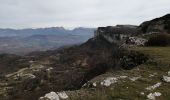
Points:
[(134, 87), (159, 40), (132, 59)]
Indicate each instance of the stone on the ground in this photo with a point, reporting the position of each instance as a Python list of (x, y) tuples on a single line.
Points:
[(134, 78), (166, 78), (169, 73), (154, 86), (94, 84), (151, 75), (152, 96), (107, 82), (50, 96), (142, 93), (62, 95), (84, 85), (123, 77), (49, 69)]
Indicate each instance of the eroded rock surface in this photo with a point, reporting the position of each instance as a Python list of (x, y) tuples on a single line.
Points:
[(50, 96), (154, 86), (152, 96)]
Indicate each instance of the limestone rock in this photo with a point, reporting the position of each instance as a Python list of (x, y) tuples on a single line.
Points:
[(136, 41), (154, 86), (62, 95), (166, 78), (169, 73), (94, 84), (107, 82), (152, 96), (134, 78), (123, 77), (50, 96), (142, 93)]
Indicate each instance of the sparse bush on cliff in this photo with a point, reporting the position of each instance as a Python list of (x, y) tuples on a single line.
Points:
[(132, 59), (159, 40)]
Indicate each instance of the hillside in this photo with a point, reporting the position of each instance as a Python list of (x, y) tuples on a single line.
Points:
[(158, 25), (114, 64), (50, 70), (35, 74), (135, 84)]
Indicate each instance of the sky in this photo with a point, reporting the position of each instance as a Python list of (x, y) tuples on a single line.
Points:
[(78, 13)]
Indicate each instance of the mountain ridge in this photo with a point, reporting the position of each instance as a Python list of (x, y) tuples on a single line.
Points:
[(157, 25)]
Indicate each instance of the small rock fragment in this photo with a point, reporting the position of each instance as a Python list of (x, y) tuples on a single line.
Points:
[(62, 95), (123, 77), (134, 78), (166, 78), (49, 69), (154, 86), (152, 96), (107, 82), (169, 73), (142, 93), (50, 96), (84, 85), (151, 75), (94, 84)]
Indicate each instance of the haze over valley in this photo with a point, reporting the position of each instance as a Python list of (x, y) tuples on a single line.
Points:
[(24, 41)]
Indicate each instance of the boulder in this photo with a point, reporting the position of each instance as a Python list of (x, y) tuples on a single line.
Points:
[(166, 79), (136, 41), (169, 73), (50, 96), (94, 84), (154, 86), (134, 78), (152, 96), (107, 82), (62, 95)]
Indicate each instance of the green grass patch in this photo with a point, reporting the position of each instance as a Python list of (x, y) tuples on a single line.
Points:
[(158, 64)]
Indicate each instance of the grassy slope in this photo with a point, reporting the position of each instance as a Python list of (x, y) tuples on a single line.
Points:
[(159, 63)]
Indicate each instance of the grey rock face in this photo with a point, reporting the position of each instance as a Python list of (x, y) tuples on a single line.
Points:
[(116, 34)]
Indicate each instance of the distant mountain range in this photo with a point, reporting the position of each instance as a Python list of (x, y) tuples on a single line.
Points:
[(28, 40), (45, 31)]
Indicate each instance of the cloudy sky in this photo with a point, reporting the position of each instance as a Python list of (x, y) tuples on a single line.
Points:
[(76, 13)]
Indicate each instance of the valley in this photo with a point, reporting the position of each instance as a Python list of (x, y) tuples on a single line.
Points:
[(114, 64)]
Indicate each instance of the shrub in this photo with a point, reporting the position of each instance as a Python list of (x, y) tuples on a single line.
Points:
[(132, 59), (159, 40)]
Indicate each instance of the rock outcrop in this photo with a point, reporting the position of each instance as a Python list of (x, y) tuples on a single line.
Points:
[(55, 96), (50, 96), (121, 35), (136, 41), (152, 96), (158, 25), (116, 34)]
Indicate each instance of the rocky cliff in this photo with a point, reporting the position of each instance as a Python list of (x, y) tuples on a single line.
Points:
[(158, 25), (120, 34)]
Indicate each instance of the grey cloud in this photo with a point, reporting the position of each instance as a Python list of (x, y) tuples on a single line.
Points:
[(72, 13)]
